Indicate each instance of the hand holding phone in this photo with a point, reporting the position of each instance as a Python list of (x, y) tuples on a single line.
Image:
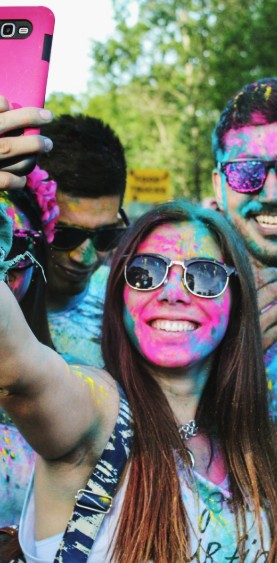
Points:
[(14, 147)]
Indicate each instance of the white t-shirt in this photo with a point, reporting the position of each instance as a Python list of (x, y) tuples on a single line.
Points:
[(212, 525), (44, 551)]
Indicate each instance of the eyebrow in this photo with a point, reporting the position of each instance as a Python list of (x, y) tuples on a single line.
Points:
[(247, 156)]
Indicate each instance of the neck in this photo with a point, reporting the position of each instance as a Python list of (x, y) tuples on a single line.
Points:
[(256, 263), (58, 302), (183, 388)]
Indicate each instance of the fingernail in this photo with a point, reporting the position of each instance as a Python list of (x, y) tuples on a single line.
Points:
[(46, 114), (48, 144)]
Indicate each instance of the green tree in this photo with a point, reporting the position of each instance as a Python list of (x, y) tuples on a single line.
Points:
[(168, 70), (61, 103)]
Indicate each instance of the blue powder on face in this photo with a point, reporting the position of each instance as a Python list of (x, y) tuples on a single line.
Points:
[(252, 206), (129, 324)]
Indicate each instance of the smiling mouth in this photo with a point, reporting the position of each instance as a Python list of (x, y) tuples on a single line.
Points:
[(266, 221), (174, 326)]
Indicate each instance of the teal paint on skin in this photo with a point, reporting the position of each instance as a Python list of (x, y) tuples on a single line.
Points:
[(250, 206), (253, 213), (203, 321), (83, 212), (224, 196), (129, 323), (246, 210), (85, 253), (222, 157)]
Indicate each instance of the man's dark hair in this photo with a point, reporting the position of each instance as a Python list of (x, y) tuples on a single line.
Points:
[(254, 104), (87, 159)]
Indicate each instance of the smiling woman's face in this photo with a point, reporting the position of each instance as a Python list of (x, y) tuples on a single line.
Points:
[(18, 280), (170, 326)]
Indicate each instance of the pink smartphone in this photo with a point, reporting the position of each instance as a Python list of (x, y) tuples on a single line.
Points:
[(26, 34)]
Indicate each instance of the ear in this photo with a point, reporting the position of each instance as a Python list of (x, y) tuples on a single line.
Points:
[(210, 203), (216, 178)]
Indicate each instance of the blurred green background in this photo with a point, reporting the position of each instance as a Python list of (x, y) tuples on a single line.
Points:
[(164, 76)]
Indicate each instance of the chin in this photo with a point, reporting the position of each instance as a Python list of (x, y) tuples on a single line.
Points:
[(168, 363), (263, 256)]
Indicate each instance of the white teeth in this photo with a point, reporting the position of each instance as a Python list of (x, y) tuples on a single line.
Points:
[(174, 326), (267, 220)]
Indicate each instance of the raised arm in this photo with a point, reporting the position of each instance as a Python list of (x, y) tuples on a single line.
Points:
[(55, 406)]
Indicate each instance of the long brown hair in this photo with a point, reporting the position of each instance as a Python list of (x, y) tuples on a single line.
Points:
[(153, 524)]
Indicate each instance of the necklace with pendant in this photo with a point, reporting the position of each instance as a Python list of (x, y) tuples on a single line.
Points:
[(187, 431)]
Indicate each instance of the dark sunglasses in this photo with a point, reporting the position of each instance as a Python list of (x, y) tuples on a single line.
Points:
[(202, 277), (103, 239), (24, 241), (247, 175)]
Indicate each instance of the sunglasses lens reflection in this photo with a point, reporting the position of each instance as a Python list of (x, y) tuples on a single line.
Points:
[(145, 272), (206, 279), (203, 278), (246, 176)]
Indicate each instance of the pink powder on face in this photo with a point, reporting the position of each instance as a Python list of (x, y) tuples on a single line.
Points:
[(203, 321), (251, 141), (258, 119), (176, 349)]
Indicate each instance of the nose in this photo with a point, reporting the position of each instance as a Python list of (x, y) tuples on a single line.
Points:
[(173, 290), (84, 254)]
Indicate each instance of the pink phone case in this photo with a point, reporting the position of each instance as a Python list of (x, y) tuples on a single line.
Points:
[(25, 55)]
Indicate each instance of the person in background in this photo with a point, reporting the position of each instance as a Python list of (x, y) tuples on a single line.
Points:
[(89, 166), (33, 212), (245, 151), (180, 328)]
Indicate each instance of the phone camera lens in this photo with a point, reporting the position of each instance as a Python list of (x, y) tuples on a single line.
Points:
[(7, 30)]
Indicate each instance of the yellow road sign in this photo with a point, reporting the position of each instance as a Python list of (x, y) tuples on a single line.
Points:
[(148, 185)]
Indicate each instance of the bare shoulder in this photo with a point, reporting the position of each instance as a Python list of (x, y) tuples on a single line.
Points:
[(100, 382), (58, 477), (103, 390)]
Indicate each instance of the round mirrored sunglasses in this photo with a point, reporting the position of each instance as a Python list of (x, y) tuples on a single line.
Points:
[(202, 277)]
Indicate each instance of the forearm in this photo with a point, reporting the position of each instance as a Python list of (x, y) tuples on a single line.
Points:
[(16, 340), (55, 406)]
